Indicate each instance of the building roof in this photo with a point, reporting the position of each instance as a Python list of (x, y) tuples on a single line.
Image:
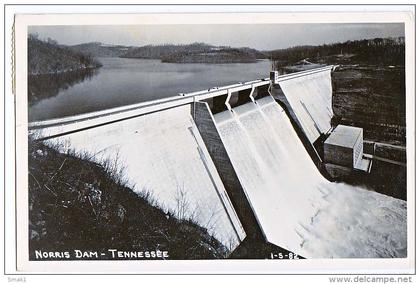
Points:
[(345, 136)]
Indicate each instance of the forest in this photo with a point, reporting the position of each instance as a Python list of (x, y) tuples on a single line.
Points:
[(377, 51)]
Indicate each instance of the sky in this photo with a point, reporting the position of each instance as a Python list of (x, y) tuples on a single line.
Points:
[(259, 36)]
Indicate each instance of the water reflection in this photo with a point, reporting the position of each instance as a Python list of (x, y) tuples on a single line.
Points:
[(49, 85)]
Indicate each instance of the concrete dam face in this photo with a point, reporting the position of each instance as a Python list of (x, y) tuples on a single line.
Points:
[(245, 173), (164, 156), (310, 99)]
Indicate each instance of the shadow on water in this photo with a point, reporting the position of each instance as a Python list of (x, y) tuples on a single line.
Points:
[(49, 85)]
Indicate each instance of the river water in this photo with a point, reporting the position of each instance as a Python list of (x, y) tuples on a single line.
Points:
[(124, 81)]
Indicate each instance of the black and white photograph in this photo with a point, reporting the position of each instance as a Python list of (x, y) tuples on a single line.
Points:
[(279, 141)]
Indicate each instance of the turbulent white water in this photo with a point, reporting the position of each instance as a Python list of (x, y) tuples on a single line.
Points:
[(163, 153), (296, 206), (310, 97)]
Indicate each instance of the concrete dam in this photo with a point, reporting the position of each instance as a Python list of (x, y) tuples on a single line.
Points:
[(240, 161)]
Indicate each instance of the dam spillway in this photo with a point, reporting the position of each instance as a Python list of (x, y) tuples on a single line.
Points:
[(243, 171), (264, 154), (299, 209)]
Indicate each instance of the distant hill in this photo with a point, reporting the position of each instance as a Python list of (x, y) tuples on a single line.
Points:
[(195, 53), (223, 55), (98, 49), (47, 57), (173, 53), (377, 51), (158, 51)]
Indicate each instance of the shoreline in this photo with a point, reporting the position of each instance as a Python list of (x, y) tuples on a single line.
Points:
[(62, 72), (195, 62)]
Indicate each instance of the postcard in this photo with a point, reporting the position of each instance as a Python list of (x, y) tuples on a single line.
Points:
[(275, 142)]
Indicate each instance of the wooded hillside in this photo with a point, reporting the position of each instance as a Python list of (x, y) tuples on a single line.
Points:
[(47, 57)]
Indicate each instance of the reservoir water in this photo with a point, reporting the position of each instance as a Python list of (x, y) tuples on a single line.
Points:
[(124, 81)]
